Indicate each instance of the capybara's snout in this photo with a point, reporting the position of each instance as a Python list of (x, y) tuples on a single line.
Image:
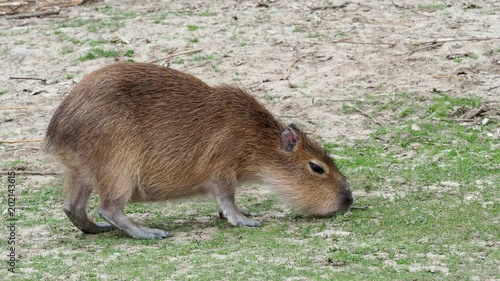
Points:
[(345, 201)]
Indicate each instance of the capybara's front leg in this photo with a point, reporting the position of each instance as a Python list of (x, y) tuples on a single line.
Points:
[(227, 207)]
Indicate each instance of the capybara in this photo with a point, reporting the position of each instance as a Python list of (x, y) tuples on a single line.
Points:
[(140, 132)]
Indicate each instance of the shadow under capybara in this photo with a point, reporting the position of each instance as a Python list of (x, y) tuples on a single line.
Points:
[(140, 132)]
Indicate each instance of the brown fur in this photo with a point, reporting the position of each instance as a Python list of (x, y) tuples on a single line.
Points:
[(141, 132)]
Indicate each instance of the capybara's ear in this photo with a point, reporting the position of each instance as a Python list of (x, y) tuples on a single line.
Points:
[(290, 137), (293, 126)]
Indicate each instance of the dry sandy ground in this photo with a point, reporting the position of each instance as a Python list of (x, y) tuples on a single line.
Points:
[(303, 59)]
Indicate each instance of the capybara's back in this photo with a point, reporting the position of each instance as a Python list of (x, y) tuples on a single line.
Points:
[(141, 132)]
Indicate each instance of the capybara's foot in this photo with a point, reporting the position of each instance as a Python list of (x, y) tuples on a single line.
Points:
[(243, 211), (243, 221), (104, 227), (114, 214), (149, 233), (239, 219)]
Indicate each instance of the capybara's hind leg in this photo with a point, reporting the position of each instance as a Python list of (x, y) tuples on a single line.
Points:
[(78, 191), (112, 211)]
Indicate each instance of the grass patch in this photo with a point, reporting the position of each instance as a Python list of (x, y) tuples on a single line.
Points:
[(316, 35), (129, 53), (97, 42), (73, 24), (99, 53), (192, 27), (111, 21), (208, 57), (67, 51)]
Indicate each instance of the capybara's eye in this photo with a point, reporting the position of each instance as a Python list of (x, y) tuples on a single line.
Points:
[(316, 168)]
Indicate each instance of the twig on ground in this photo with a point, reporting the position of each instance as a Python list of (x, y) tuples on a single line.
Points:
[(493, 88), (13, 107), (442, 41), (290, 66), (360, 208), (443, 76), (28, 78), (18, 141), (348, 100), (176, 55), (430, 47), (23, 148), (54, 11), (346, 41), (330, 7), (31, 173), (366, 115), (381, 138), (474, 113), (173, 50), (454, 119), (195, 66), (409, 8), (342, 40)]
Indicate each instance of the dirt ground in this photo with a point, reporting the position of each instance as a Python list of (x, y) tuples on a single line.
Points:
[(303, 59)]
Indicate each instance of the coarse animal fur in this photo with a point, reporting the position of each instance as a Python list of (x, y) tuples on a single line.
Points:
[(141, 132)]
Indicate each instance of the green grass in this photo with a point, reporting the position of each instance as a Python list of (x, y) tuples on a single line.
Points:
[(73, 24), (207, 57), (67, 51), (97, 42), (316, 35), (99, 53), (192, 27), (17, 163), (129, 53), (112, 20), (70, 76), (72, 40), (3, 91), (432, 214), (193, 40)]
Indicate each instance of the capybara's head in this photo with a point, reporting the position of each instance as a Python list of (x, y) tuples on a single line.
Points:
[(306, 176)]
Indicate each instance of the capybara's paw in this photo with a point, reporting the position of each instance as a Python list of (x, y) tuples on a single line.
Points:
[(104, 226), (150, 233), (243, 221), (243, 211)]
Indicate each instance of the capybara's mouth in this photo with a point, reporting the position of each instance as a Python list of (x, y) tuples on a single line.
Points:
[(344, 203), (331, 214)]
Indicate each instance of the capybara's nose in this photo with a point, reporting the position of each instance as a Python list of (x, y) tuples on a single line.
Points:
[(346, 200)]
